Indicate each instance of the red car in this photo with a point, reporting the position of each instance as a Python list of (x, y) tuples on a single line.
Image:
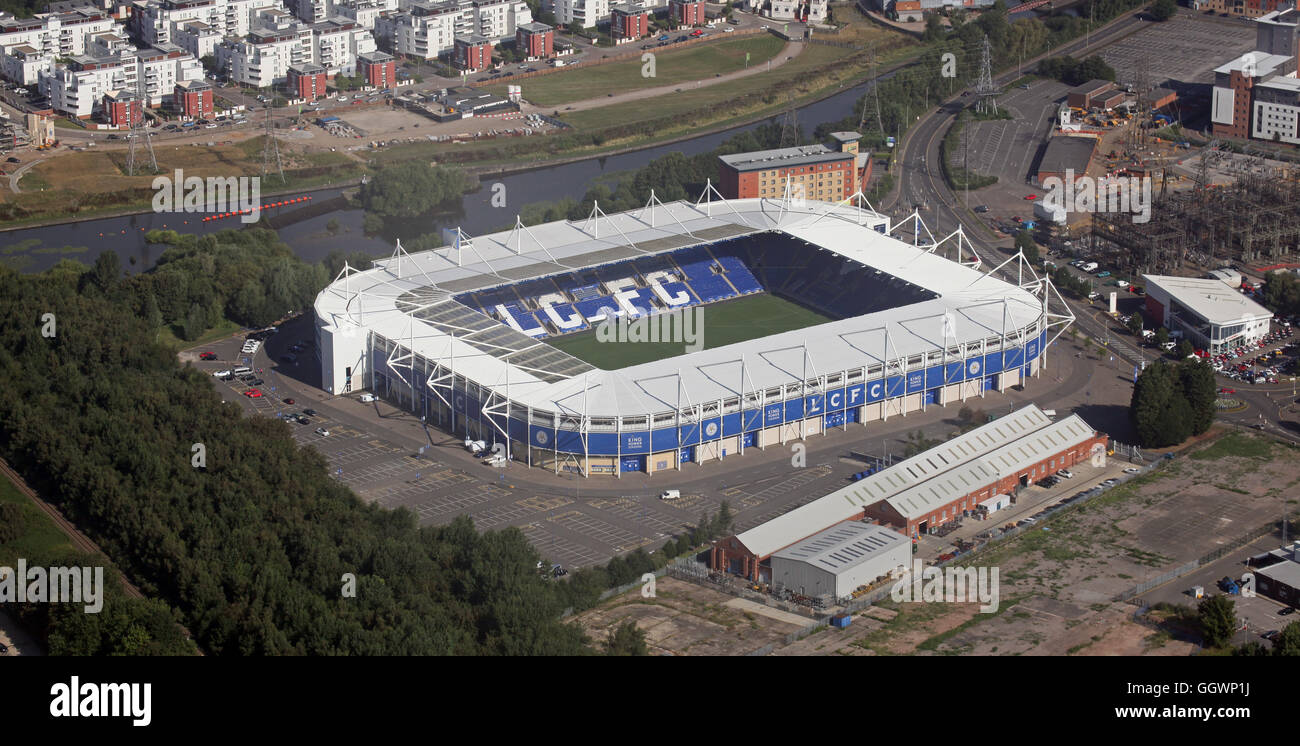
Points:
[(253, 393), (288, 401), (1227, 391), (1017, 218), (1031, 196), (207, 356)]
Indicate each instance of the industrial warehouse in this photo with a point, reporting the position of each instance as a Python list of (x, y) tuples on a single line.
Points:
[(916, 495)]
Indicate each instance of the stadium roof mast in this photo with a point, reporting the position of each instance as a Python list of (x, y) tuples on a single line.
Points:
[(706, 197)]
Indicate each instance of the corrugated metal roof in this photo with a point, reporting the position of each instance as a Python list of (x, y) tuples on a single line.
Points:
[(1027, 448), (842, 547), (844, 503)]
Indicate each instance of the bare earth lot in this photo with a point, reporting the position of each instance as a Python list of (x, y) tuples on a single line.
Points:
[(1056, 583)]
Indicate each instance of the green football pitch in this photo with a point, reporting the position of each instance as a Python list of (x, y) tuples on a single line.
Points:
[(723, 324)]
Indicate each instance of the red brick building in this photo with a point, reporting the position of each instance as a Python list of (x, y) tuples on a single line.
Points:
[(813, 172), (930, 489), (535, 41), (306, 81), (628, 24), (687, 12), (193, 98), (123, 109), (473, 53), (380, 70)]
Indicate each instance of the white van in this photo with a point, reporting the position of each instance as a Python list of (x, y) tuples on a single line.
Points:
[(670, 494), (242, 370), (367, 398), (1090, 267), (222, 374)]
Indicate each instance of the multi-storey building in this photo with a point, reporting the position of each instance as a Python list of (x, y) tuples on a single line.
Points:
[(364, 12), (193, 98), (54, 34), (306, 81), (585, 13), (263, 57), (76, 87), (427, 29), (22, 62), (1257, 95), (336, 44), (380, 70), (198, 38), (815, 172), (535, 41), (628, 23), (122, 109), (473, 53), (687, 12), (155, 20)]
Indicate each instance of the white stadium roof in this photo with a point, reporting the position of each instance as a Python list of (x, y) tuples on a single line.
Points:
[(978, 305)]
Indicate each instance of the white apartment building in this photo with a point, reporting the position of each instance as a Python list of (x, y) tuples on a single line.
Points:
[(309, 11), (423, 30), (77, 87), (587, 13), (22, 62), (262, 58), (1277, 110), (196, 37), (155, 20), (337, 42), (364, 12), (54, 34)]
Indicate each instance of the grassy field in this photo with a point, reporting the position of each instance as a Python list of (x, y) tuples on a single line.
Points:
[(693, 63), (723, 324), (39, 536)]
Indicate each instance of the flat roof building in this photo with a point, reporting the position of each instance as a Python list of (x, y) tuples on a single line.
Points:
[(1213, 314), (1066, 153)]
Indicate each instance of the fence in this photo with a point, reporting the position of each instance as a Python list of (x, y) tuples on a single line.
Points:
[(1192, 566), (634, 54)]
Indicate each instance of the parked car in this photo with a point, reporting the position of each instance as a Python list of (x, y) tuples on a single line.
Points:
[(253, 393), (322, 432), (309, 412), (1287, 611), (1065, 473), (207, 356), (981, 208), (288, 401)]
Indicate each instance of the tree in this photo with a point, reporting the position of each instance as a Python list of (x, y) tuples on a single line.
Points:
[(195, 322), (1163, 10), (1158, 409), (722, 523), (1184, 349), (332, 226), (626, 640), (1135, 324), (1218, 618), (1162, 336), (1200, 390), (1287, 641), (1025, 243), (107, 271), (411, 188)]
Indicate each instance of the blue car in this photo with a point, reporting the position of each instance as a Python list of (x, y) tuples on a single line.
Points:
[(1103, 274), (665, 37)]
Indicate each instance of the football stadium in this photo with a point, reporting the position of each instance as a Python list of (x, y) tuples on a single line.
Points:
[(682, 332)]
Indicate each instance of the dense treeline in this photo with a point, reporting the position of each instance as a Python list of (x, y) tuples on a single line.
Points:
[(249, 277), (1281, 293), (122, 626), (1070, 71), (251, 550)]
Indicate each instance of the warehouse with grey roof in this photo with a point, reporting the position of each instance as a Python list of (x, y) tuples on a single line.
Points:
[(918, 494)]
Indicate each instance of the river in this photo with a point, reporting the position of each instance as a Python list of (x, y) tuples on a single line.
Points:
[(37, 249)]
